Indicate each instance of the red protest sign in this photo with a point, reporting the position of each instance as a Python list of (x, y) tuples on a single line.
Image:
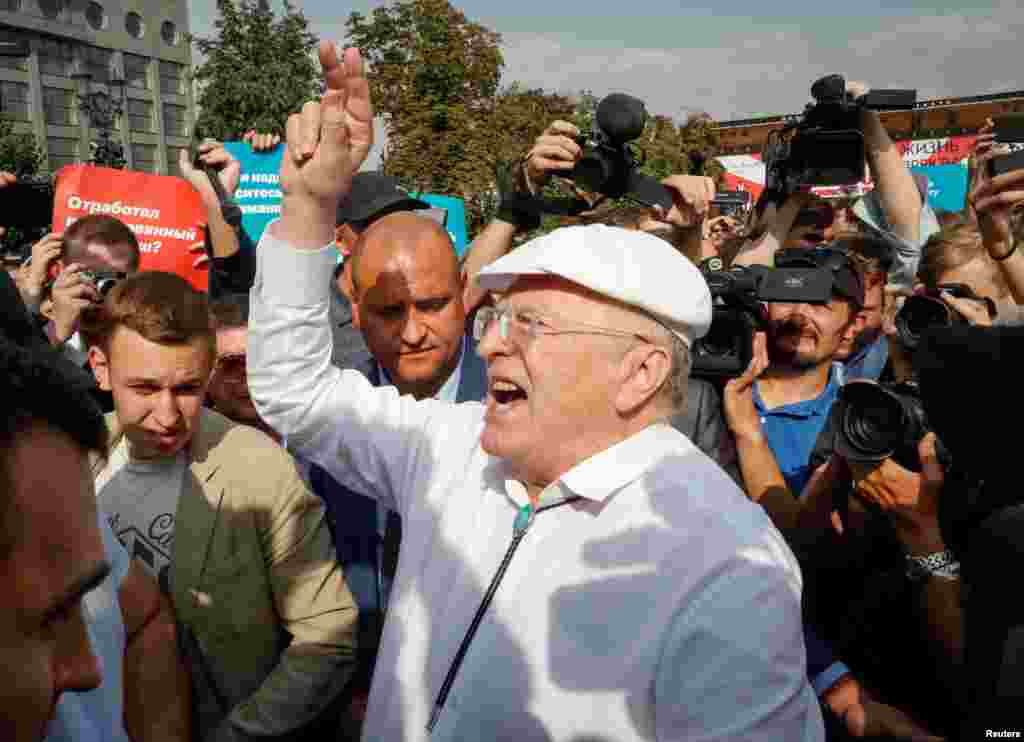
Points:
[(165, 213)]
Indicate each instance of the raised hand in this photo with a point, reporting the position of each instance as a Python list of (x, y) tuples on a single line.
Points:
[(554, 152), (214, 155), (327, 143)]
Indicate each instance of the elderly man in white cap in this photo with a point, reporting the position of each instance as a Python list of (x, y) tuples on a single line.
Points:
[(572, 568)]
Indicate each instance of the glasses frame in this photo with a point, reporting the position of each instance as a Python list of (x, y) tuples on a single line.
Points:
[(536, 326)]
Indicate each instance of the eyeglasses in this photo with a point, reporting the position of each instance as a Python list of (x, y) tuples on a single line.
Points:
[(521, 327), (232, 364)]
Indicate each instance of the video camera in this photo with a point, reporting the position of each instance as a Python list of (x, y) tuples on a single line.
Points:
[(826, 146), (808, 278), (926, 310), (608, 164)]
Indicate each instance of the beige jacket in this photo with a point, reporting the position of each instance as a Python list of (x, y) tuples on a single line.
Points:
[(254, 576)]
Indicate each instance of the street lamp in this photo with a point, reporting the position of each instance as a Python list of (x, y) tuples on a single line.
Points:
[(103, 108)]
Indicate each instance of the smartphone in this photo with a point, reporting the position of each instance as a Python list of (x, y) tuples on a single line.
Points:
[(1009, 131)]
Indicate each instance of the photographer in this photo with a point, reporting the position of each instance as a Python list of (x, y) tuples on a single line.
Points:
[(896, 210), (980, 512)]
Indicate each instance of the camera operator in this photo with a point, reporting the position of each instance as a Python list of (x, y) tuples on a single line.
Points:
[(896, 210)]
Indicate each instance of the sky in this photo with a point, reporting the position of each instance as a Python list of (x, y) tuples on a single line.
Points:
[(740, 59)]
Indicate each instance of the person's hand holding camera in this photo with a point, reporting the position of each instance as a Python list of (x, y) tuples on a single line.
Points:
[(32, 279), (910, 499), (72, 294), (555, 151), (994, 199), (214, 156)]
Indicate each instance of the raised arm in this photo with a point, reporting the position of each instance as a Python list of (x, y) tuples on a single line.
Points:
[(367, 438)]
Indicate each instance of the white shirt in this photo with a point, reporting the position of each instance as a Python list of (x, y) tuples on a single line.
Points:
[(140, 499), (663, 605), (98, 715)]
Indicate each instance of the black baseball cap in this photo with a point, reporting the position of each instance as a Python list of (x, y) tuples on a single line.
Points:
[(374, 195)]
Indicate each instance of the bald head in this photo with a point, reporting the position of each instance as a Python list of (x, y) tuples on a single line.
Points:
[(407, 301), (402, 239)]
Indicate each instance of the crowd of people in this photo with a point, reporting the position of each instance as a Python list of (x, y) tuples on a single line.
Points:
[(404, 494)]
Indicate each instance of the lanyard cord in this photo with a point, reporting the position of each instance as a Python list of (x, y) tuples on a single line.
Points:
[(524, 518)]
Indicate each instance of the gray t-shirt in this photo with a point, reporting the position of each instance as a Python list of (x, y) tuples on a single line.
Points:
[(140, 499)]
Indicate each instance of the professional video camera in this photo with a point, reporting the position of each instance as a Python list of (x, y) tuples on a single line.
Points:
[(826, 146), (926, 310), (799, 277), (737, 313), (609, 165)]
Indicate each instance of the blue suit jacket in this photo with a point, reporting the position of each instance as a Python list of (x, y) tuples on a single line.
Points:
[(353, 516)]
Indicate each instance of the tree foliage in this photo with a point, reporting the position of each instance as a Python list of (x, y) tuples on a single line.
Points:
[(19, 153), (258, 69), (435, 78)]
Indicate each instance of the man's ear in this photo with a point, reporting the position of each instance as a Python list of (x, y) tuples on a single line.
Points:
[(644, 370), (100, 367)]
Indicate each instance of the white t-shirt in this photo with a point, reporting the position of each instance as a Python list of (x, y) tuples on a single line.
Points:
[(140, 499)]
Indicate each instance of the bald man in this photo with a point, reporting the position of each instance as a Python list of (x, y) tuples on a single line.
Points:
[(407, 302), (407, 295)]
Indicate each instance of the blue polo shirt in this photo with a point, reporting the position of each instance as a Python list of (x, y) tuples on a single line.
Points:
[(792, 430)]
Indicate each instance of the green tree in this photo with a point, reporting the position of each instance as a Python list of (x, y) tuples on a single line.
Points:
[(434, 78), (258, 68), (19, 153)]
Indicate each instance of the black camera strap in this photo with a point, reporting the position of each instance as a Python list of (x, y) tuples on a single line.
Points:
[(523, 521)]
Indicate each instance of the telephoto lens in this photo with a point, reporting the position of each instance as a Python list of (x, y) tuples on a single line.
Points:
[(920, 313), (879, 422)]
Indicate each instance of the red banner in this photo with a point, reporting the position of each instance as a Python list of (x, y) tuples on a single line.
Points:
[(165, 213)]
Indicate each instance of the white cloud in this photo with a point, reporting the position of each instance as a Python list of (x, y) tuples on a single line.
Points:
[(750, 73)]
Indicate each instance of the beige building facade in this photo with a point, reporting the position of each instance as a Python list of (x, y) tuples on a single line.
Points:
[(99, 46)]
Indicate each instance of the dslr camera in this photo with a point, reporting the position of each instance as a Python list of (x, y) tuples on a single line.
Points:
[(825, 146), (926, 310), (870, 422), (799, 277), (609, 164)]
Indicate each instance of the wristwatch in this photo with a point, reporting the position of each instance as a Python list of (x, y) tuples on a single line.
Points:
[(941, 564)]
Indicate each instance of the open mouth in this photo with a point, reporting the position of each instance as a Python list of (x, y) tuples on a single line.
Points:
[(506, 392)]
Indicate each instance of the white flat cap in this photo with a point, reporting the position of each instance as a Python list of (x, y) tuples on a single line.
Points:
[(638, 269)]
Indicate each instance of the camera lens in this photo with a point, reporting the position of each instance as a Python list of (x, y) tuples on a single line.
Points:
[(874, 422), (104, 285), (917, 315)]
